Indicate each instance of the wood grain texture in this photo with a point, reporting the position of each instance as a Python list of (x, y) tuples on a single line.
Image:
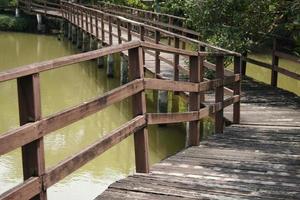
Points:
[(33, 156), (79, 159)]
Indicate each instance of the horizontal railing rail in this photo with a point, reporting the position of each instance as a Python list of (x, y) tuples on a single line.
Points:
[(33, 126)]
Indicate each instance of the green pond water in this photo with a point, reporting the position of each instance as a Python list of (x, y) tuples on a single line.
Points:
[(63, 88)]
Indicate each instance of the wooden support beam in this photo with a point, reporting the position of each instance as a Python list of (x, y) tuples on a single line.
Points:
[(142, 38), (86, 22), (157, 53), (194, 102), (102, 29), (219, 95), (176, 59), (91, 23), (129, 35), (237, 90), (110, 30), (244, 64), (30, 111), (97, 24), (136, 70), (82, 20), (119, 31), (275, 62)]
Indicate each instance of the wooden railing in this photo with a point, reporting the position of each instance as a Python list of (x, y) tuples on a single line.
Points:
[(40, 6), (168, 22), (33, 126), (274, 66)]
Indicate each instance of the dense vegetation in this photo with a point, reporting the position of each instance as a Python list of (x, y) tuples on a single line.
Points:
[(241, 25), (10, 23)]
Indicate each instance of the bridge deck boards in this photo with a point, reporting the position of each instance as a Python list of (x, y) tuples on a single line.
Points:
[(258, 161)]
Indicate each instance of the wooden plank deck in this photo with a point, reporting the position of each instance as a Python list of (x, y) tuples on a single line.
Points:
[(258, 159)]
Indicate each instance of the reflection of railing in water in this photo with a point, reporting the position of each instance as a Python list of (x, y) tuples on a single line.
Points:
[(34, 127)]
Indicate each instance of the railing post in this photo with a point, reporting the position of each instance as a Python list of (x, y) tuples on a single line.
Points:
[(170, 29), (102, 29), (275, 61), (157, 54), (97, 24), (91, 24), (237, 90), (86, 22), (219, 96), (78, 19), (82, 21), (142, 38), (110, 31), (244, 64), (202, 48), (30, 110), (119, 31), (73, 14), (129, 26), (45, 4), (176, 60), (194, 102), (140, 137)]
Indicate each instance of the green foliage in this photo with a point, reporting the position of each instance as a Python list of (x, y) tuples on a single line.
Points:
[(132, 3), (234, 24), (8, 2), (239, 25), (174, 7), (10, 23)]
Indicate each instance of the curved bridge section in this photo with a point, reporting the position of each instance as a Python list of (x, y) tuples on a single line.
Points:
[(257, 158)]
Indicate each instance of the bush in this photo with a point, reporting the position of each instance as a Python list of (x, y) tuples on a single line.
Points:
[(11, 23)]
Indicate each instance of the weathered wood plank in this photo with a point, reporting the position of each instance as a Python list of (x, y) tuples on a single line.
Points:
[(136, 71), (76, 161), (33, 156), (26, 190), (32, 131)]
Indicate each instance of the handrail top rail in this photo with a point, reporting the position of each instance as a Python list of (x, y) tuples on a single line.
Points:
[(65, 60), (34, 68)]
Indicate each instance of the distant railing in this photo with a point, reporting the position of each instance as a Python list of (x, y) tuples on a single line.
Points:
[(168, 22), (274, 66), (40, 6), (33, 126)]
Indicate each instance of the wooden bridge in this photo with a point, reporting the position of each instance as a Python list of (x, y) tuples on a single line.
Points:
[(257, 157)]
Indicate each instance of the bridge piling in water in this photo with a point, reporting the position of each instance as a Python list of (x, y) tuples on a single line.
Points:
[(100, 60), (124, 70), (110, 66), (79, 38), (40, 25), (74, 34)]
